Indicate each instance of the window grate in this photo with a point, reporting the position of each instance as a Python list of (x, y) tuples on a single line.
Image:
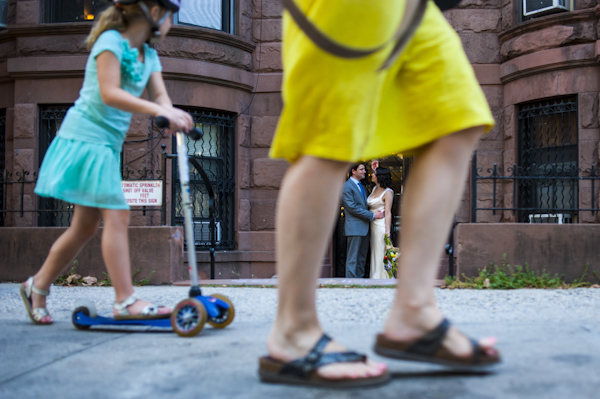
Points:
[(215, 153), (548, 153), (53, 212), (2, 164)]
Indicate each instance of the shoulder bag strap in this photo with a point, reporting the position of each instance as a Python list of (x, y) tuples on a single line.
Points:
[(415, 9)]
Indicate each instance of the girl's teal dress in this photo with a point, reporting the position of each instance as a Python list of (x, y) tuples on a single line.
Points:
[(82, 163)]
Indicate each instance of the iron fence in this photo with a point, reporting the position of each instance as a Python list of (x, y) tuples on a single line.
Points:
[(551, 177)]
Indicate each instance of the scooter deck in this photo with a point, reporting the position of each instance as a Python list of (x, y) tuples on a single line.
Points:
[(211, 305), (84, 320)]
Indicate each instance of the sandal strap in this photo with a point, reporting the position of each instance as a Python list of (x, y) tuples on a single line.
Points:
[(121, 307), (303, 367), (431, 342), (30, 287), (478, 353), (39, 291), (150, 310), (40, 313)]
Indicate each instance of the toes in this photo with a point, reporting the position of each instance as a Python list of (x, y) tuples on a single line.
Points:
[(353, 370), (488, 345), (164, 310)]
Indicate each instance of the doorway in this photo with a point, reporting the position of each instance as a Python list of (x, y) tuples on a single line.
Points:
[(400, 168)]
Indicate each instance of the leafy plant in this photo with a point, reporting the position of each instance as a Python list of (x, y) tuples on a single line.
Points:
[(144, 281), (506, 277), (106, 281)]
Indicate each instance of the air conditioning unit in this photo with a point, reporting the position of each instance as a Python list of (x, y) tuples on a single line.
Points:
[(543, 7), (202, 233), (556, 218), (3, 13)]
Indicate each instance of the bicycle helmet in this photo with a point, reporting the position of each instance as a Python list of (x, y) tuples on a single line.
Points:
[(171, 5)]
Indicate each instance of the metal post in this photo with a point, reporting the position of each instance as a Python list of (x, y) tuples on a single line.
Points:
[(163, 175), (474, 188)]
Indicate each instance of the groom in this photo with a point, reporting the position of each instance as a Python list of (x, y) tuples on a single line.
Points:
[(356, 226)]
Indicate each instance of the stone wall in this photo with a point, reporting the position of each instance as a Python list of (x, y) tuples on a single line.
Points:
[(557, 249), (156, 253)]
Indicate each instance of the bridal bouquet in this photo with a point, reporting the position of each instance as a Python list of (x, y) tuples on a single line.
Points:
[(390, 259)]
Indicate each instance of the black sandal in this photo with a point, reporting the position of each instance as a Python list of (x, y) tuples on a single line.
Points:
[(303, 371), (429, 349)]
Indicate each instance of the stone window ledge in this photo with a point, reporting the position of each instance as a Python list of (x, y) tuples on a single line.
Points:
[(534, 25), (83, 28)]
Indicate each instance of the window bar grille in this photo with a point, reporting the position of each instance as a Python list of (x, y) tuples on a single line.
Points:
[(548, 155), (2, 166), (52, 212), (215, 153)]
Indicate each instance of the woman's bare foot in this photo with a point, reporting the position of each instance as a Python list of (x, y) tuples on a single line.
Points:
[(289, 347), (410, 325)]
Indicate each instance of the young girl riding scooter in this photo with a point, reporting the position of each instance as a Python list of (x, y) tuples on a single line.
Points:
[(81, 165)]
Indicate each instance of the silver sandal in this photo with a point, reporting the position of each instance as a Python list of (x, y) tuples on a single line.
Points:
[(148, 313), (36, 315)]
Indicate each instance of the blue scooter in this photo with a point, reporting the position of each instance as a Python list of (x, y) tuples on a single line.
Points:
[(191, 314)]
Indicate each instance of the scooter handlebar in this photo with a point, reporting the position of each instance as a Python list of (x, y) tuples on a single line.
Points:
[(163, 123)]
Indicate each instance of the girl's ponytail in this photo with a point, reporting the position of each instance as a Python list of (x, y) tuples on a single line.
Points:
[(111, 18)]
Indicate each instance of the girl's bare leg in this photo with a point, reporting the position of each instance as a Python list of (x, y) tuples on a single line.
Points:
[(115, 251), (83, 227), (431, 198), (307, 208)]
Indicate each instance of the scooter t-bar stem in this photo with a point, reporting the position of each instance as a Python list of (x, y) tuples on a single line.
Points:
[(184, 180)]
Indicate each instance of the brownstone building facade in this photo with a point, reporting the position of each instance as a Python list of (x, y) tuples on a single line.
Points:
[(540, 73)]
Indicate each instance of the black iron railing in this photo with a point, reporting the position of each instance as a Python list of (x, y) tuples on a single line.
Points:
[(504, 185)]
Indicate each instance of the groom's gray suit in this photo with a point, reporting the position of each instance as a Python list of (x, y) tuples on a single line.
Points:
[(356, 228)]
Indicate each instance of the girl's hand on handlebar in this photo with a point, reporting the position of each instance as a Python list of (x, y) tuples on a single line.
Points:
[(179, 120)]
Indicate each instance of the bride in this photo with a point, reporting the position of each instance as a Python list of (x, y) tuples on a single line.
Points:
[(381, 198)]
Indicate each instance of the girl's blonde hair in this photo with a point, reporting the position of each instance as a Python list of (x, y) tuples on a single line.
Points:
[(116, 18)]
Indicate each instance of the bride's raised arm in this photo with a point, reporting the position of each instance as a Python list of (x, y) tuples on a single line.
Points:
[(388, 199)]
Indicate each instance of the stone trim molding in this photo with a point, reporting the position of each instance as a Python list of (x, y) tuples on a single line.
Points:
[(83, 28), (550, 20), (74, 67), (576, 56)]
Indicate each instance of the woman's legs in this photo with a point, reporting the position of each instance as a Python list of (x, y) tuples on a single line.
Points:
[(83, 227), (431, 198), (307, 208), (115, 251)]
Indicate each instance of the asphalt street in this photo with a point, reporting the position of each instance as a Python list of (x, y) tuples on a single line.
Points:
[(550, 340)]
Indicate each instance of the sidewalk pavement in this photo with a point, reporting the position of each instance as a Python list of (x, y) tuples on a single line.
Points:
[(550, 340)]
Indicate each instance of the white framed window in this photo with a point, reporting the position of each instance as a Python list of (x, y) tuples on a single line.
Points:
[(3, 13), (529, 9), (213, 14)]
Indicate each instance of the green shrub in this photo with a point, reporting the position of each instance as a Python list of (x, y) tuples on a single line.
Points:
[(507, 277)]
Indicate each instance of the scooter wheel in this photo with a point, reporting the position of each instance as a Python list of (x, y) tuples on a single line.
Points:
[(75, 317), (225, 316), (188, 317)]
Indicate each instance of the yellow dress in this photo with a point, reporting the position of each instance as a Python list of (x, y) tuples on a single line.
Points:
[(347, 110)]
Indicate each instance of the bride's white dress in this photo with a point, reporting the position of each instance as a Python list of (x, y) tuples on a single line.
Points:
[(377, 237)]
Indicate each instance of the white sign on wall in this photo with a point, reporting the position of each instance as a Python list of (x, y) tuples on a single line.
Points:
[(142, 192)]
